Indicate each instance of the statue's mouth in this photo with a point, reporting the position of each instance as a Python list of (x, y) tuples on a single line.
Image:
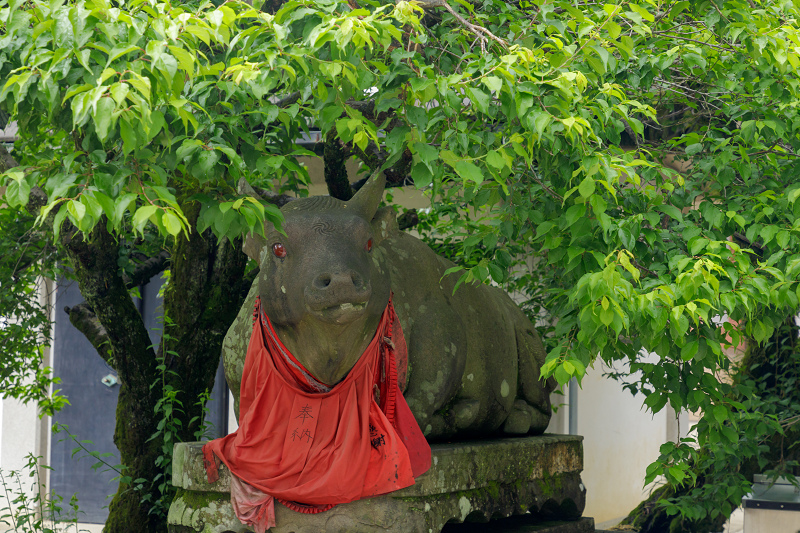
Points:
[(341, 313)]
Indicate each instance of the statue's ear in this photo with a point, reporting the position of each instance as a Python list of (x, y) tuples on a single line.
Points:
[(253, 242), (384, 224)]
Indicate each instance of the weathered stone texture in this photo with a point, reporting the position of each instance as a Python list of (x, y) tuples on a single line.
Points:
[(471, 481)]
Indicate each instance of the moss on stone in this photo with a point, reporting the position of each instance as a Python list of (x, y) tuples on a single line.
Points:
[(198, 500)]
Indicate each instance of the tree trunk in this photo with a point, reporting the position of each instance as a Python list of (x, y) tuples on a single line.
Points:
[(206, 290), (94, 259)]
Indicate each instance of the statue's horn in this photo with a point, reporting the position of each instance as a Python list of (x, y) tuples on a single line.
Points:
[(246, 189), (368, 198)]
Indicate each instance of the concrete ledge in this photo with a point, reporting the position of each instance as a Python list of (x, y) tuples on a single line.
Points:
[(469, 481)]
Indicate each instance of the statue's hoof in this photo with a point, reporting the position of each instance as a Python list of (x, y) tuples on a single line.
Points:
[(465, 412), (519, 421)]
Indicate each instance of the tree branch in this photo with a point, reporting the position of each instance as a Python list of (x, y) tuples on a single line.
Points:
[(409, 219), (545, 187), (272, 197), (147, 269), (288, 100), (335, 167), (7, 162), (83, 318)]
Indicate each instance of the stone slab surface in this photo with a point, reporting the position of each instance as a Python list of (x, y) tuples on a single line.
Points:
[(469, 481)]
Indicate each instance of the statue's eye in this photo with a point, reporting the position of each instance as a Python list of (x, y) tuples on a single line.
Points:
[(368, 246), (279, 250)]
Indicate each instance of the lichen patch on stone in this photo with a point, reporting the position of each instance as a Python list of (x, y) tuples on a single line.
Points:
[(504, 389), (464, 506)]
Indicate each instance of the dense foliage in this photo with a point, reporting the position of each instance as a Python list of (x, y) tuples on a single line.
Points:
[(25, 258), (645, 153)]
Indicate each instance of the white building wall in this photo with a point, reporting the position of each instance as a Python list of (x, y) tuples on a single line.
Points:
[(22, 432), (621, 438), (18, 434)]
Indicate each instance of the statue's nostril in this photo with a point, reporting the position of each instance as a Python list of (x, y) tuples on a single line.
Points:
[(322, 281)]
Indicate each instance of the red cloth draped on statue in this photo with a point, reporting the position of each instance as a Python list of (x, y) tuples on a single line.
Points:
[(312, 446)]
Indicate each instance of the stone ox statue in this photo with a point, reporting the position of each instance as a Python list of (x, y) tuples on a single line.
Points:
[(473, 356)]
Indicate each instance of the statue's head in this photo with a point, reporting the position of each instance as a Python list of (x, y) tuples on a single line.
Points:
[(322, 269)]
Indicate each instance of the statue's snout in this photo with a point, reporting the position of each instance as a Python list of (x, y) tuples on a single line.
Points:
[(338, 295)]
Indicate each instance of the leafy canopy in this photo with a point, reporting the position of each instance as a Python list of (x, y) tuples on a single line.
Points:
[(643, 152)]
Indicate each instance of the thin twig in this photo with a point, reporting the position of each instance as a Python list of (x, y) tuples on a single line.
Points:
[(480, 31), (545, 187), (718, 47)]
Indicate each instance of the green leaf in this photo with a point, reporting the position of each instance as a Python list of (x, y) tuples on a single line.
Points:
[(720, 413), (421, 175), (118, 52), (469, 172), (677, 474), (607, 317), (479, 98), (427, 153), (121, 205), (106, 203), (142, 215), (77, 210), (497, 273), (496, 160), (689, 350), (103, 117), (396, 138), (172, 224), (671, 211), (586, 188), (119, 91), (697, 245), (693, 149), (493, 83), (561, 375), (541, 121), (331, 113), (575, 213), (18, 192), (156, 123), (206, 161), (129, 136)]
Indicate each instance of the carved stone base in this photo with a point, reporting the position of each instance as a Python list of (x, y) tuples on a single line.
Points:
[(469, 481)]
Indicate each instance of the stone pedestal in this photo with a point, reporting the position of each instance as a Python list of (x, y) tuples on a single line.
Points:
[(469, 481)]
